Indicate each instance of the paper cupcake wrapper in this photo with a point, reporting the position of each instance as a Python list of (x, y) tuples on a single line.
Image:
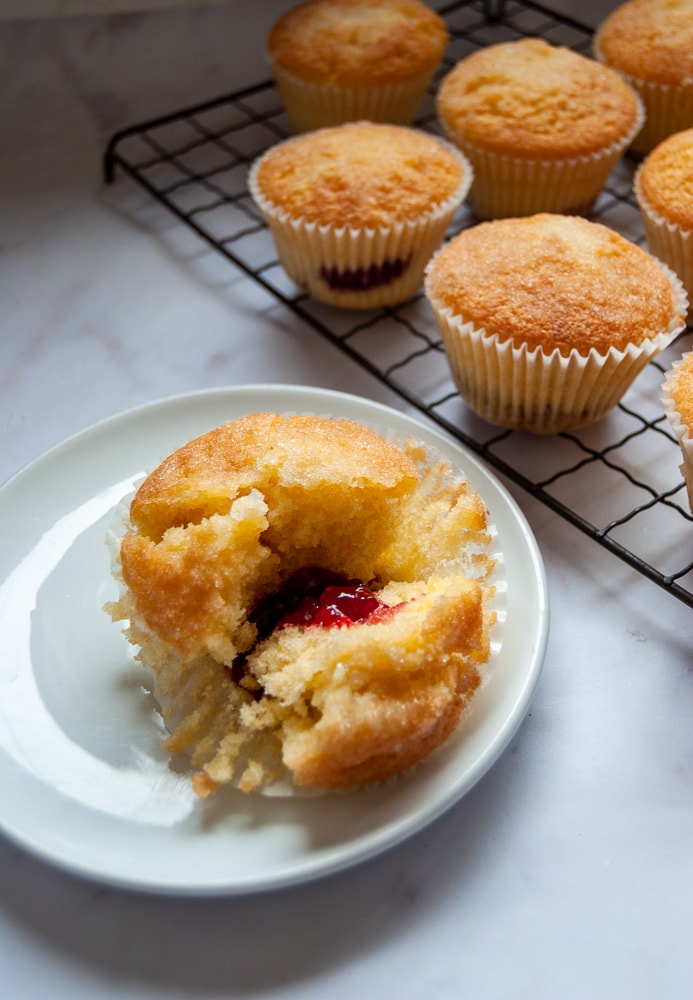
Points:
[(682, 431), (507, 186), (667, 110), (314, 105), (531, 390), (667, 241), (359, 268)]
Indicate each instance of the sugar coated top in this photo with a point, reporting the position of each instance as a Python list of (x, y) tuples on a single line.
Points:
[(553, 282), (360, 174), (651, 40), (530, 99), (353, 42)]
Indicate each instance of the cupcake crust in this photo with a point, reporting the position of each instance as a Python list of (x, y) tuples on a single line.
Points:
[(355, 42), (650, 40), (529, 99), (553, 282), (360, 174)]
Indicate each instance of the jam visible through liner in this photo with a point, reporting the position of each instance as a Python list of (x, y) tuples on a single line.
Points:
[(312, 597), (362, 279)]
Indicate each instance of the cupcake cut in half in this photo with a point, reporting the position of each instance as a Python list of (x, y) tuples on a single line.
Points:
[(343, 60), (650, 42), (356, 211), (542, 126), (311, 599), (547, 320)]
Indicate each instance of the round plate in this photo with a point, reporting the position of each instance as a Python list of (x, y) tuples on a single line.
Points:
[(86, 783)]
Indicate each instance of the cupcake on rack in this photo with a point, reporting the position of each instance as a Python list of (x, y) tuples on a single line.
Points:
[(663, 186), (542, 126), (678, 405), (547, 320), (342, 60), (650, 42), (357, 210)]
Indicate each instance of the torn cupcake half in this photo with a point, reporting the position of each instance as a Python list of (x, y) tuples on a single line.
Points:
[(311, 599)]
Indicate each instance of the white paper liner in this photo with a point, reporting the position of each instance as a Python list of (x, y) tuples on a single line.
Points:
[(496, 604), (683, 432), (314, 105), (506, 186), (531, 390), (667, 241), (307, 250)]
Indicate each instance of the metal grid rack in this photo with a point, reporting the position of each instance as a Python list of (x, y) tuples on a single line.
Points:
[(618, 481)]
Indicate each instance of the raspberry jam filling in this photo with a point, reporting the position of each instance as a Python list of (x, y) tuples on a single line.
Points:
[(315, 596), (312, 597), (337, 605), (362, 279)]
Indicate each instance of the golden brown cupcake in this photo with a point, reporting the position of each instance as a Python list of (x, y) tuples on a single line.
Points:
[(678, 405), (547, 320), (650, 42), (542, 126), (310, 598), (344, 60), (663, 186), (357, 210)]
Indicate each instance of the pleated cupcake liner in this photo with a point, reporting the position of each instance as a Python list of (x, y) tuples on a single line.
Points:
[(311, 105), (544, 393)]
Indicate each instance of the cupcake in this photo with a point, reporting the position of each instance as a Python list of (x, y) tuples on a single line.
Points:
[(650, 42), (343, 60), (311, 599), (663, 186), (678, 405), (547, 320), (357, 210), (542, 126)]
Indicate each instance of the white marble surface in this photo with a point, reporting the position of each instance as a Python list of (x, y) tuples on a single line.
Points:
[(568, 871)]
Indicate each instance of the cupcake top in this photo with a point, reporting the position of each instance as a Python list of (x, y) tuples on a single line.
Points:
[(664, 180), (530, 99), (361, 174), (650, 40), (352, 42), (206, 475), (679, 388), (553, 282)]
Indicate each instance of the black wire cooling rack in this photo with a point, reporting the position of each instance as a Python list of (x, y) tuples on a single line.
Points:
[(618, 481)]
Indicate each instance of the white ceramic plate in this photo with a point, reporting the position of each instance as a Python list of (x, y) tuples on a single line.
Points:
[(85, 782)]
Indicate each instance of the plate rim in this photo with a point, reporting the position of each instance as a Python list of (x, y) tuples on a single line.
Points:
[(392, 834)]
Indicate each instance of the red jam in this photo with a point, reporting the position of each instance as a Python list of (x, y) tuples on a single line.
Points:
[(337, 605), (312, 597), (362, 279), (315, 596)]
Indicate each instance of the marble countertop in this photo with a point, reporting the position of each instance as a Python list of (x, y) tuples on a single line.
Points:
[(568, 870)]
